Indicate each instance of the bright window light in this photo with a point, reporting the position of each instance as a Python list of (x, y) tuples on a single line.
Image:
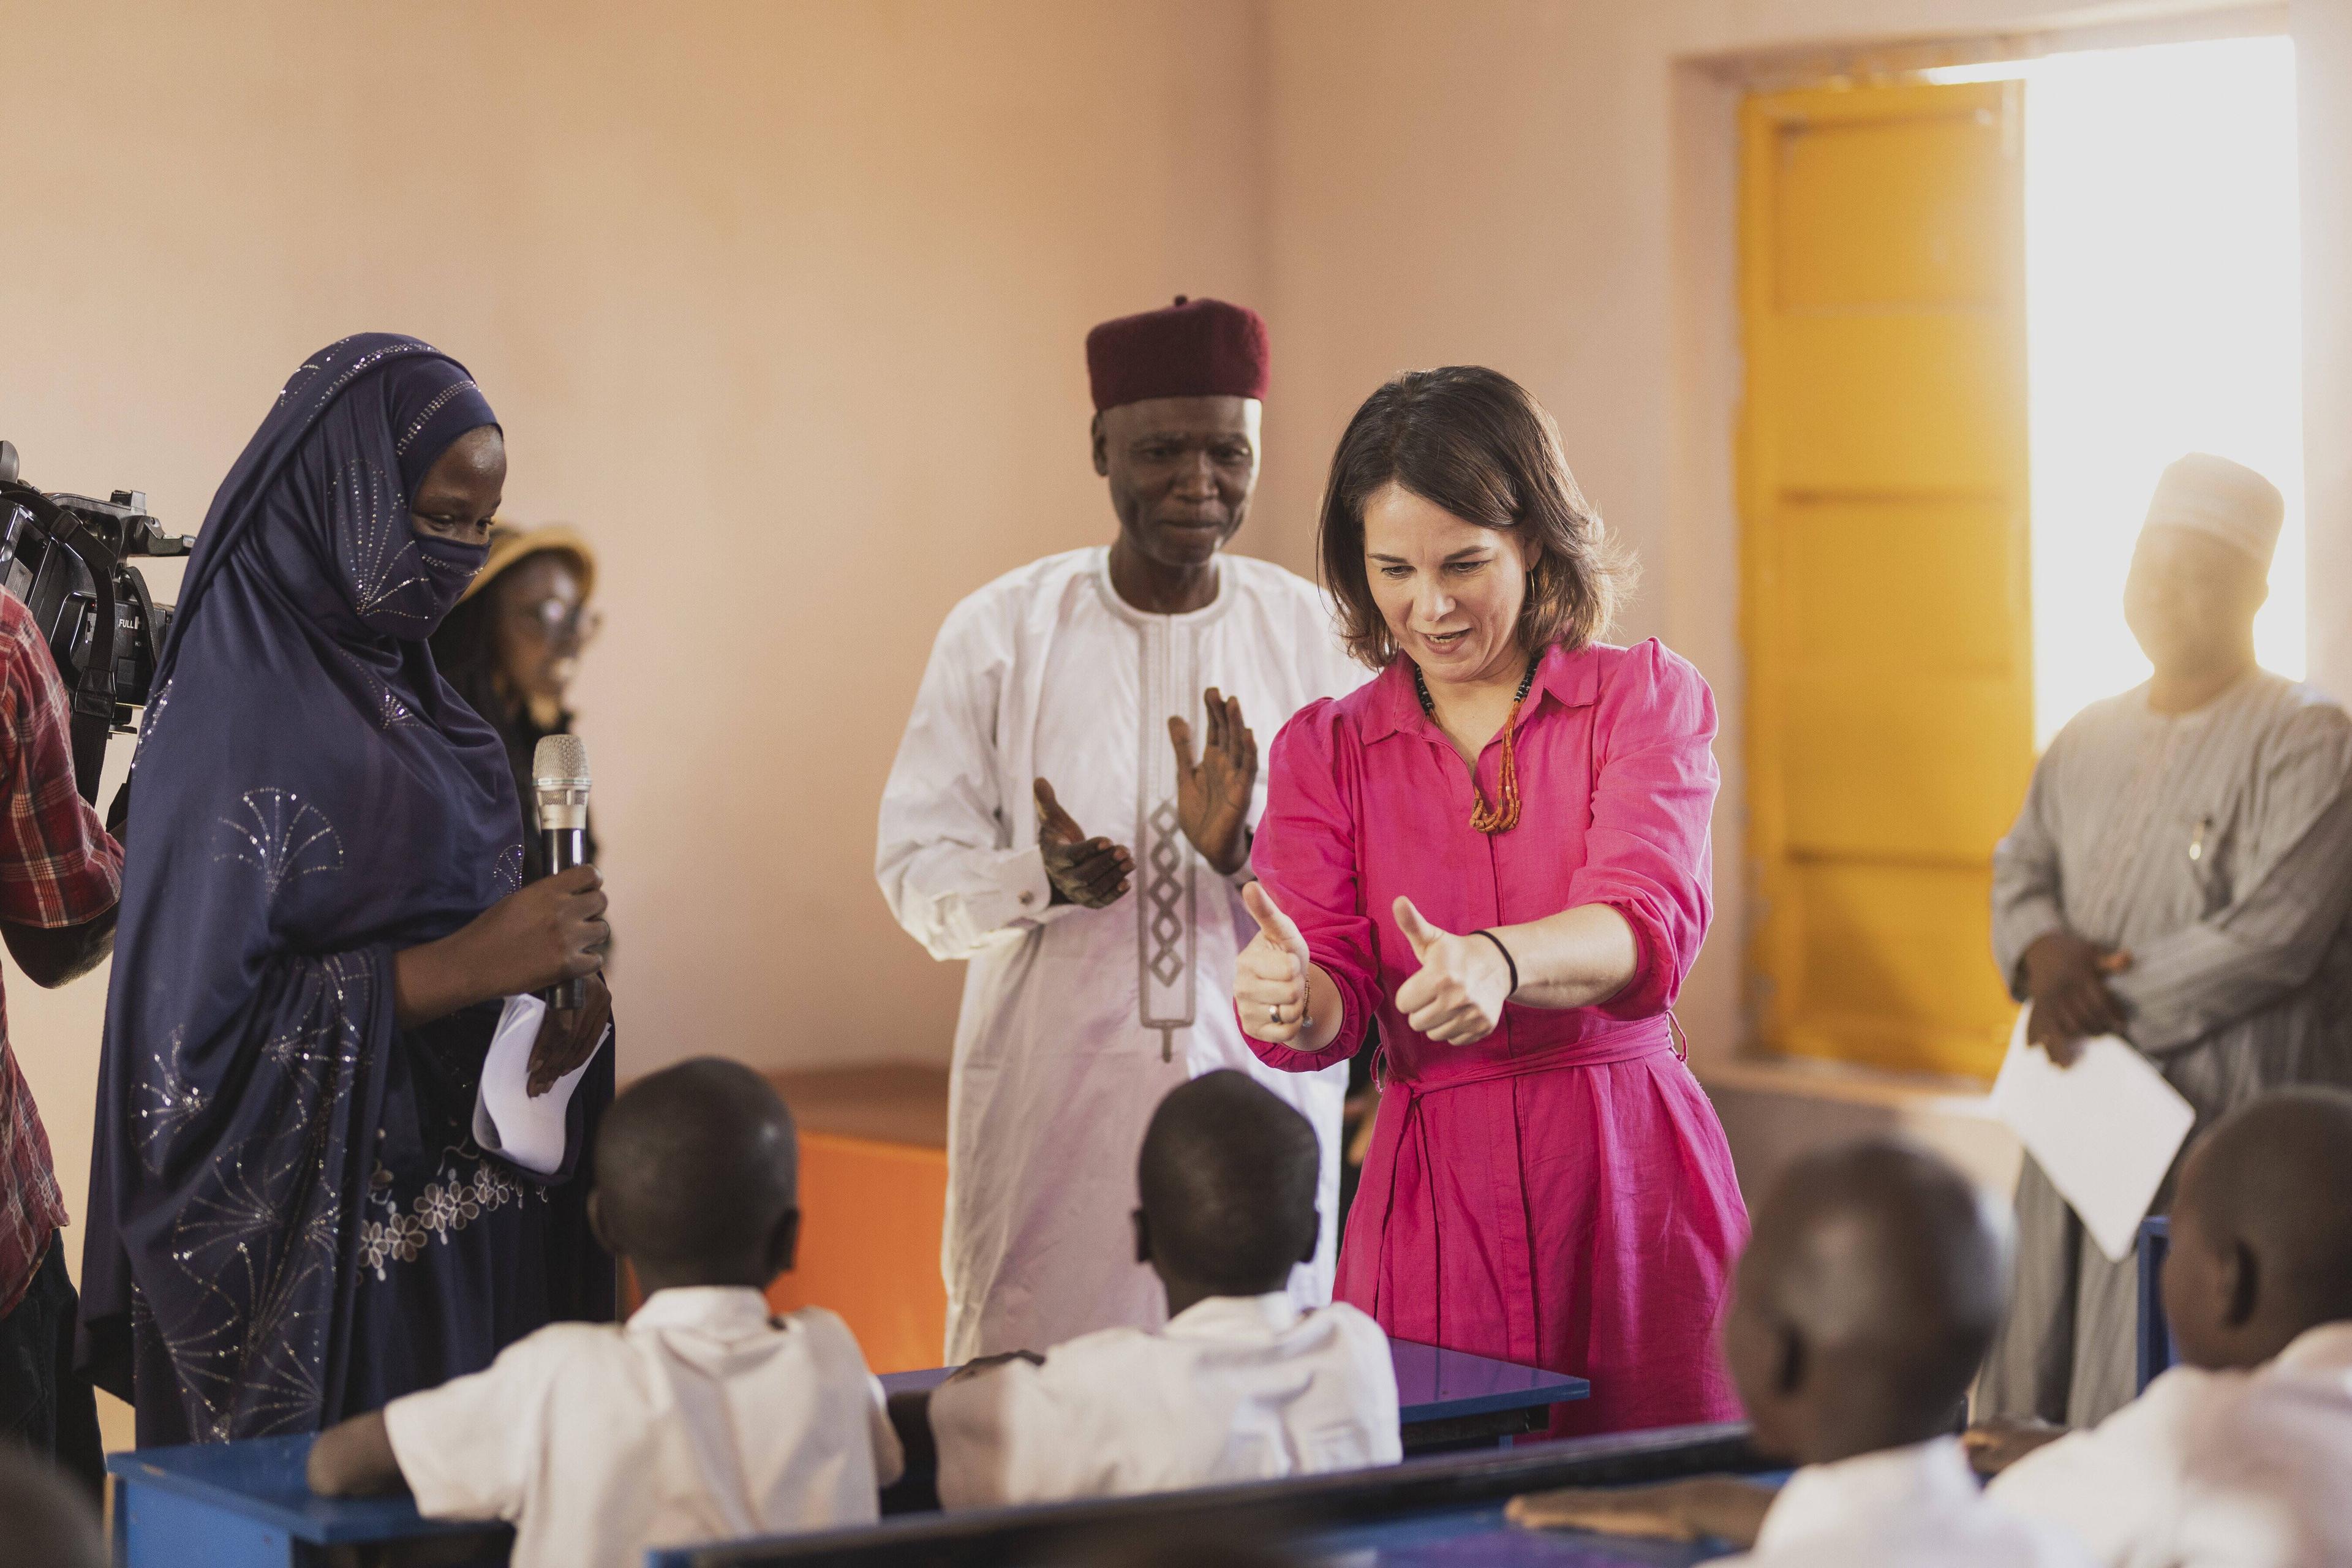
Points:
[(1991, 70), (2163, 317)]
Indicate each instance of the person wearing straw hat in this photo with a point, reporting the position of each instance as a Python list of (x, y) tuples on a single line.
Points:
[(2180, 875), (512, 646)]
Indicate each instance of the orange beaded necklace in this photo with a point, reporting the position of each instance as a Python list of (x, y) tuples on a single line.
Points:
[(1503, 815)]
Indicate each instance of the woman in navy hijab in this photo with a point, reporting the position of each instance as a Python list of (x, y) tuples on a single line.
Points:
[(289, 1220)]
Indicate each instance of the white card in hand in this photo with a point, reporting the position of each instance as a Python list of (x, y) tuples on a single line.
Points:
[(2105, 1131), (508, 1120)]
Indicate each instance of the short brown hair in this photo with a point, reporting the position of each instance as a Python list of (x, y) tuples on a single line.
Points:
[(1472, 441)]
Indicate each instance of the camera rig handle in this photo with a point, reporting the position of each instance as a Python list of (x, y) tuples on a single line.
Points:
[(90, 690), (103, 629), (94, 687)]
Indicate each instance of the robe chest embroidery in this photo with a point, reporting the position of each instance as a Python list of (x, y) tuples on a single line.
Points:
[(1167, 682)]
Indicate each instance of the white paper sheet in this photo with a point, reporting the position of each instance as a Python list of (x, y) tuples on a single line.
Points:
[(2105, 1130), (508, 1120)]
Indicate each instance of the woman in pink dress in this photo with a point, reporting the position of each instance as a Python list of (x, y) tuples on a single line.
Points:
[(1492, 860)]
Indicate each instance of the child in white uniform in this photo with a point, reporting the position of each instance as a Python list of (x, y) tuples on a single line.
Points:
[(1241, 1384), (2241, 1456), (1871, 1287), (700, 1419)]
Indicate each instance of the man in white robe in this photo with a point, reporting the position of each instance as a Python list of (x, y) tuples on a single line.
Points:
[(2180, 875), (1064, 699)]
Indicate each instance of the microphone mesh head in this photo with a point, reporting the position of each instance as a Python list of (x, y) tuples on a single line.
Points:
[(560, 760)]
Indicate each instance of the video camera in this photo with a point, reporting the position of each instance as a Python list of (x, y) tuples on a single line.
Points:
[(67, 558)]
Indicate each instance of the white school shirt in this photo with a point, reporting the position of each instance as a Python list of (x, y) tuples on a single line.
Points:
[(1902, 1508), (702, 1419), (1236, 1388), (2210, 1469), (1077, 1023)]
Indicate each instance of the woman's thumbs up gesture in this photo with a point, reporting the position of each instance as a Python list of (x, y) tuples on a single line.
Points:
[(1271, 977), (1457, 995)]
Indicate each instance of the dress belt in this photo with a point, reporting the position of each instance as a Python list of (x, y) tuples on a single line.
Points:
[(1638, 1039)]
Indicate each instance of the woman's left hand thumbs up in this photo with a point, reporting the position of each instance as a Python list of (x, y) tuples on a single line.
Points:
[(1457, 995)]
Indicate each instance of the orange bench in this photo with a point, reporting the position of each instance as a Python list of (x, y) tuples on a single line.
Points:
[(874, 1188)]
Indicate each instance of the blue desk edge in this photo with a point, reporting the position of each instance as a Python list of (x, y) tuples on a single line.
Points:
[(1438, 1385), (288, 1503), (1433, 1384)]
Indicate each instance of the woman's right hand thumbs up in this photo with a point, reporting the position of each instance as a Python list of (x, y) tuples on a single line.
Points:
[(1270, 978)]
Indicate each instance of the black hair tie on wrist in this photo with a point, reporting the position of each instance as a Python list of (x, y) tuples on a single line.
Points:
[(1508, 962)]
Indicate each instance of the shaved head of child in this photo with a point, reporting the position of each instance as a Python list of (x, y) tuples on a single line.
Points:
[(698, 1177), (1874, 1282), (2262, 1229), (1227, 1176)]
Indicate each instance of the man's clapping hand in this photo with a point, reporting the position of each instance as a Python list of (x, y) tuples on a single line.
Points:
[(1213, 794), (1088, 872), (2066, 981)]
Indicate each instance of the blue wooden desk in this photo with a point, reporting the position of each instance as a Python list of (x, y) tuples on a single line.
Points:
[(1443, 1512), (1444, 1398), (1452, 1538), (246, 1505), (2155, 1337)]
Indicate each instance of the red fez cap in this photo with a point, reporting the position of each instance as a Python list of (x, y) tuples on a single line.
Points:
[(1195, 348)]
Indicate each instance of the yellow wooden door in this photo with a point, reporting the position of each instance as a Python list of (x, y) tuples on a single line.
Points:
[(1885, 570)]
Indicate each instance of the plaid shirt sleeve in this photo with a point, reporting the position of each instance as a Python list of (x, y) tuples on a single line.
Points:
[(58, 865)]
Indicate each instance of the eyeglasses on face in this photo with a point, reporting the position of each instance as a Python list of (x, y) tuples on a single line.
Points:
[(557, 621)]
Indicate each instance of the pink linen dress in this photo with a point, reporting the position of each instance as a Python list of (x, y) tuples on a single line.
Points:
[(1558, 1194)]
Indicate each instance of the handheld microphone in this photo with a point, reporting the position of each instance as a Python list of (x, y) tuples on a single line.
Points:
[(558, 769)]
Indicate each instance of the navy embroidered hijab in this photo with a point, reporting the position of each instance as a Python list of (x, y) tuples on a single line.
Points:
[(288, 1220)]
